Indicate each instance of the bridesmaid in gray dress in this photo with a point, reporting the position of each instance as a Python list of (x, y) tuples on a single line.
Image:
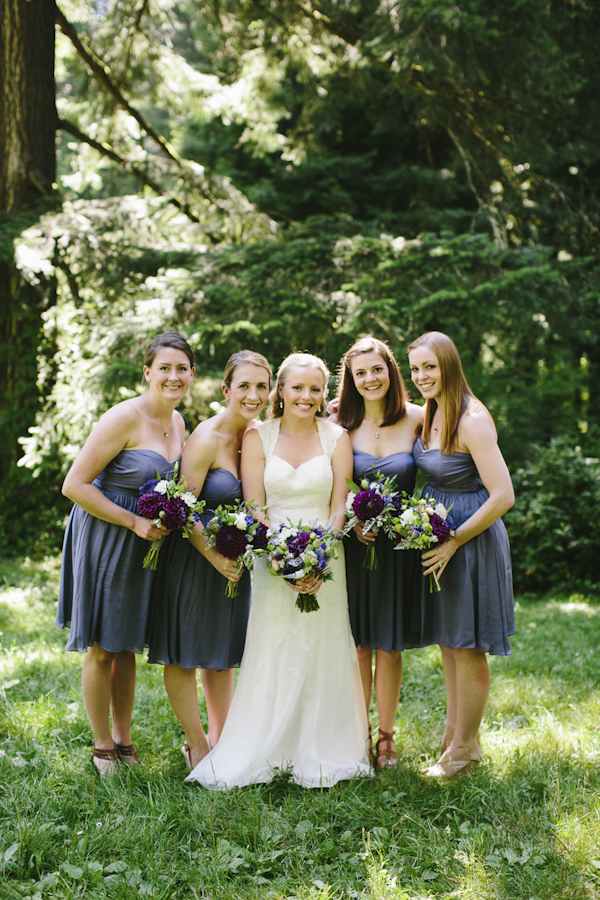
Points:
[(192, 624), (105, 590), (474, 612), (382, 424)]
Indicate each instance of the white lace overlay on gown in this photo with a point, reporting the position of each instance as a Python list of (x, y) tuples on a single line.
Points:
[(298, 704)]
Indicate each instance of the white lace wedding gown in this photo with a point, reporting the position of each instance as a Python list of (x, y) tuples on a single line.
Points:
[(298, 704)]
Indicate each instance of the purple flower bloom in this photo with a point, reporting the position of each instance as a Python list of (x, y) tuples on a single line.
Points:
[(399, 504), (441, 527), (230, 541), (299, 542), (148, 486), (259, 541), (150, 504), (367, 504), (176, 513)]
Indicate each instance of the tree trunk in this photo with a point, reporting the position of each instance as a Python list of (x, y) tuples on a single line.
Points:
[(27, 107), (27, 175)]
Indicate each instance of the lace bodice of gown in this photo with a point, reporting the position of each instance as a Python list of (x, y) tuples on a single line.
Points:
[(301, 493)]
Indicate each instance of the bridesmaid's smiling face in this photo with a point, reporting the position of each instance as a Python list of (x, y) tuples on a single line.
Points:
[(170, 374), (371, 375), (248, 392), (303, 391), (425, 372)]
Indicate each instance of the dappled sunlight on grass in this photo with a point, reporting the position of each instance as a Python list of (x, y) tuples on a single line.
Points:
[(525, 825)]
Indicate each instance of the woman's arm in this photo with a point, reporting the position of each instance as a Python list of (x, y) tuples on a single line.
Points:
[(478, 435), (341, 464), (198, 457), (416, 415), (253, 472), (111, 435)]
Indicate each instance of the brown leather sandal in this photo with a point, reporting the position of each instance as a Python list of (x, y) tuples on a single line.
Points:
[(370, 745), (385, 751), (105, 761), (128, 754)]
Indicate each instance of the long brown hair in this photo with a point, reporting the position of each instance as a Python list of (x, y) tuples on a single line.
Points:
[(294, 360), (351, 410), (457, 393)]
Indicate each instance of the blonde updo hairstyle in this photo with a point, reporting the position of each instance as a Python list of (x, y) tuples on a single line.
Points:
[(295, 361)]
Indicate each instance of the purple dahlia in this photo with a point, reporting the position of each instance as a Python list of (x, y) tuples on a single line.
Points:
[(367, 504), (441, 527), (230, 541), (150, 504), (176, 513), (259, 541)]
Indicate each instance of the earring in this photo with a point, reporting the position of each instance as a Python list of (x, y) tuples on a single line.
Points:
[(280, 404)]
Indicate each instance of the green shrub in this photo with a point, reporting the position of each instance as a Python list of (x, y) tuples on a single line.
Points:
[(553, 527)]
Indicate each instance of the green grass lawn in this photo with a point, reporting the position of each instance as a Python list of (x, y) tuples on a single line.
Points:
[(525, 825)]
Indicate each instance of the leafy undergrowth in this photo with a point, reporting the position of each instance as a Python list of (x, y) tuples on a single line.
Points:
[(525, 825)]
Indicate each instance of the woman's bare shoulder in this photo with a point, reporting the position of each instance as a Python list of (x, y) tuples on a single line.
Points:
[(476, 422), (414, 412)]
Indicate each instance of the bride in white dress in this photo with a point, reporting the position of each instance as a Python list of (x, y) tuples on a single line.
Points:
[(298, 705)]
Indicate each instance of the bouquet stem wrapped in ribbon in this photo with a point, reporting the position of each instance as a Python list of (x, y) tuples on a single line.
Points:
[(168, 502), (370, 503), (297, 551), (418, 525), (236, 533)]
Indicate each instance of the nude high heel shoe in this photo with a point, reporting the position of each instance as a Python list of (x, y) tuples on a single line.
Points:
[(448, 767)]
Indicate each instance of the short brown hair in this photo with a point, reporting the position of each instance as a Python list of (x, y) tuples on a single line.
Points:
[(168, 339)]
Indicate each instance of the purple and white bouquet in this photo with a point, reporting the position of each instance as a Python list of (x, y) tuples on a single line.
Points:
[(371, 503), (236, 533), (296, 551), (168, 502), (418, 525)]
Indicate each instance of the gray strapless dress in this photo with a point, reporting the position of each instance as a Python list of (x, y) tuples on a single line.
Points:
[(191, 622), (475, 608), (104, 588), (384, 603)]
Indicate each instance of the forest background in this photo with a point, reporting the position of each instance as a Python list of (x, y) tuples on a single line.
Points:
[(291, 175)]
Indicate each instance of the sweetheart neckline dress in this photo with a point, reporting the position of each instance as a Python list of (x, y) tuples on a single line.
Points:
[(192, 623), (298, 705), (384, 602), (475, 608), (104, 589)]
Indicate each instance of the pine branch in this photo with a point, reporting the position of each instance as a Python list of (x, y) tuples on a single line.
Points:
[(129, 167), (103, 74)]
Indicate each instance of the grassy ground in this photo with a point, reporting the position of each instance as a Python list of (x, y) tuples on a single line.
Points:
[(526, 825)]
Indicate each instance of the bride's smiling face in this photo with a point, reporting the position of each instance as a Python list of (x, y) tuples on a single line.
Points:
[(303, 391)]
